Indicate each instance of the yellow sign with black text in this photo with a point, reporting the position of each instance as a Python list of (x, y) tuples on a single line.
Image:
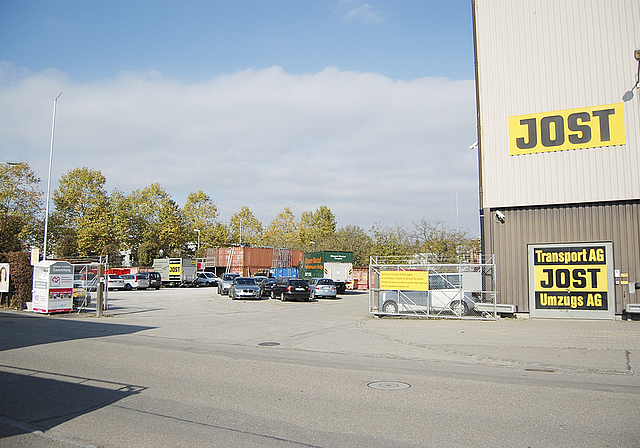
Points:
[(405, 280), (570, 277), (562, 130)]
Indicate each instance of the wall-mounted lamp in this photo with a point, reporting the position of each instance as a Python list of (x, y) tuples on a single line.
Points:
[(499, 216), (628, 95)]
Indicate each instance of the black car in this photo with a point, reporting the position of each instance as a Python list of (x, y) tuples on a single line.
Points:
[(290, 288), (155, 280), (266, 285)]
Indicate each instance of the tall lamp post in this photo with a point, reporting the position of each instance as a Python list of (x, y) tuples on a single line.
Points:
[(46, 212)]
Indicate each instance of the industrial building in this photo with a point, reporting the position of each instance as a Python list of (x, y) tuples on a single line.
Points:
[(559, 153)]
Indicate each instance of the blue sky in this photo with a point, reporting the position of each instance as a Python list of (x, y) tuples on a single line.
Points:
[(376, 98)]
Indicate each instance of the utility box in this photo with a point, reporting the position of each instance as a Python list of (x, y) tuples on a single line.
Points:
[(337, 266), (52, 290)]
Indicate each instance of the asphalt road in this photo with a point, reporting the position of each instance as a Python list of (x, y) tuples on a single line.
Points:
[(187, 367)]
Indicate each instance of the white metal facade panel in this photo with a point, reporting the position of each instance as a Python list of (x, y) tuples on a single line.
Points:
[(547, 55)]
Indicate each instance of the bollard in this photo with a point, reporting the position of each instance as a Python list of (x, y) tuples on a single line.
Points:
[(100, 290)]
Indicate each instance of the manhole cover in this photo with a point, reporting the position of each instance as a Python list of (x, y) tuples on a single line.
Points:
[(268, 344), (388, 385)]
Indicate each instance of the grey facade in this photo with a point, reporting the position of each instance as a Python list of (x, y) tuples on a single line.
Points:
[(559, 133)]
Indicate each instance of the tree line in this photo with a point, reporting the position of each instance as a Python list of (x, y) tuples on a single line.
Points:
[(86, 221)]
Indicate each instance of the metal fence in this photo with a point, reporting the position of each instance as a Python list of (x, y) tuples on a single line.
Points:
[(401, 286)]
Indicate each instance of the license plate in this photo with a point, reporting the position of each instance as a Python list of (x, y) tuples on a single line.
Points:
[(299, 289)]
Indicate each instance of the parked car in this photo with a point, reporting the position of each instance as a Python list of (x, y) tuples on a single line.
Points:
[(154, 279), (135, 281), (244, 288), (322, 287), (265, 286), (288, 288), (445, 296), (86, 281), (115, 282), (206, 279), (225, 282)]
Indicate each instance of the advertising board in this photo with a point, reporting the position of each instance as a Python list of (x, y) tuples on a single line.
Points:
[(4, 277), (573, 280), (405, 280), (588, 127)]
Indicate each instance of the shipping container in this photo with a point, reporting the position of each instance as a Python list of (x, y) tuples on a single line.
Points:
[(283, 272)]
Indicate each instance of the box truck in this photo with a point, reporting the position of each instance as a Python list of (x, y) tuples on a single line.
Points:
[(338, 266), (176, 271)]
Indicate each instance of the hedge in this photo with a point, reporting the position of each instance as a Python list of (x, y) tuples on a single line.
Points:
[(20, 279)]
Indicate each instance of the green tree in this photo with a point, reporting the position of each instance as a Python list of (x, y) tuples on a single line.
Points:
[(201, 213), (318, 226), (244, 228), (147, 251), (282, 232), (353, 238), (21, 208), (445, 245), (145, 217), (390, 241), (82, 204), (170, 230)]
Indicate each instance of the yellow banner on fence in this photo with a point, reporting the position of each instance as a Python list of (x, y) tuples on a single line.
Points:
[(405, 280)]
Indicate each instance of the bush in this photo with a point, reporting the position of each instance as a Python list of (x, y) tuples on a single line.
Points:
[(20, 279)]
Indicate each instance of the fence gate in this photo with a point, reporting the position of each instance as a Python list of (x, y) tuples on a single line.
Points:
[(402, 286)]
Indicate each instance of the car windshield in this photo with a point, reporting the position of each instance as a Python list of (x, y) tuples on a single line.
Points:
[(298, 283), (229, 276), (325, 281), (245, 281)]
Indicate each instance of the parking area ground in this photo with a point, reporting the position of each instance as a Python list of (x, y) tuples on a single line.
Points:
[(189, 367)]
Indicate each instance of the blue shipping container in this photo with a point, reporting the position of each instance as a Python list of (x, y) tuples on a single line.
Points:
[(283, 272)]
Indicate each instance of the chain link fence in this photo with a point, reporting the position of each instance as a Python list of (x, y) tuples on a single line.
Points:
[(409, 286)]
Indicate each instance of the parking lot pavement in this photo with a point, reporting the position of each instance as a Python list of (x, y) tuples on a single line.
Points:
[(345, 325), (188, 367)]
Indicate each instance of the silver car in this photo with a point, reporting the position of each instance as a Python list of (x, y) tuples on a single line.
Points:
[(134, 281), (244, 288), (224, 285), (445, 296), (322, 287), (115, 282)]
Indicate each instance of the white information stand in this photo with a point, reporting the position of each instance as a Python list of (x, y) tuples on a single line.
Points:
[(52, 287)]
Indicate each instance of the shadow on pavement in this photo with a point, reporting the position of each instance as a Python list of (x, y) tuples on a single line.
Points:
[(36, 400), (20, 329)]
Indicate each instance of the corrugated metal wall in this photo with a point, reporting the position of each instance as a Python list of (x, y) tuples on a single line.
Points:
[(548, 55), (618, 222)]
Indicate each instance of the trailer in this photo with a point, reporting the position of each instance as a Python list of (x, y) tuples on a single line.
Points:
[(337, 266), (176, 271)]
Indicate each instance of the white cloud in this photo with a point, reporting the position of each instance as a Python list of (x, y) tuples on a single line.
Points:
[(370, 148), (355, 10)]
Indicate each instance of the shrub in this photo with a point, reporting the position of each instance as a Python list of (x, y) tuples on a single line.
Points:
[(20, 279)]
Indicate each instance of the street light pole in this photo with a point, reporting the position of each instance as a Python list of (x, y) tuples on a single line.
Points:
[(46, 212)]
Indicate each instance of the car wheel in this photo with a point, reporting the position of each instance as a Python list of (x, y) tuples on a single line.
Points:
[(127, 287), (273, 295), (390, 307), (282, 296), (459, 307)]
